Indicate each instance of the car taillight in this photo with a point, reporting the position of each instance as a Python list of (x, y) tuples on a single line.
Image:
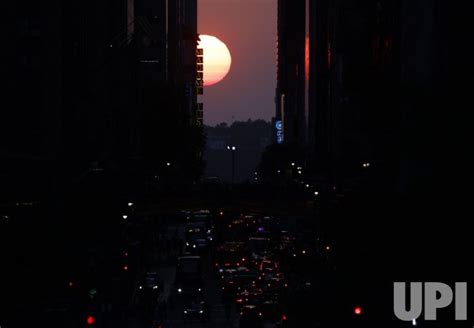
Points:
[(90, 320), (358, 310), (284, 318)]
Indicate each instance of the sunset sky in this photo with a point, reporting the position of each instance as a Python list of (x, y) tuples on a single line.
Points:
[(248, 28)]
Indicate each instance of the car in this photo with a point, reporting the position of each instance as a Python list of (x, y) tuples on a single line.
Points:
[(272, 311), (188, 279), (259, 248), (151, 282), (238, 281), (249, 295), (251, 316), (197, 237), (230, 255), (196, 310)]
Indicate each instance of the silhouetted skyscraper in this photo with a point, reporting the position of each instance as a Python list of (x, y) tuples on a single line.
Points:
[(290, 96)]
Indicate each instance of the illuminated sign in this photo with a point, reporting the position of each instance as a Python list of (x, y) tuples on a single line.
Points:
[(278, 125), (279, 128)]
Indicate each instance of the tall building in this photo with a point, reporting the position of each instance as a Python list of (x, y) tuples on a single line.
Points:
[(90, 86), (291, 47)]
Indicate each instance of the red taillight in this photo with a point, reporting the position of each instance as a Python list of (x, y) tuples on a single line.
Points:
[(90, 320), (125, 267), (238, 264), (71, 284), (358, 310), (284, 318), (239, 300)]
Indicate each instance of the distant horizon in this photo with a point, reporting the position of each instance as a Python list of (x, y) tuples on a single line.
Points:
[(238, 121)]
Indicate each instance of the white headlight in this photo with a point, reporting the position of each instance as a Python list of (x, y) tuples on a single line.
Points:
[(155, 287), (185, 312), (201, 311), (179, 290), (141, 287)]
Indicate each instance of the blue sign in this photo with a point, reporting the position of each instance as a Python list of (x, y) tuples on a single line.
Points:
[(278, 125)]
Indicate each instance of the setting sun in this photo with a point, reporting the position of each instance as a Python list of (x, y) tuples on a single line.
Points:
[(217, 59)]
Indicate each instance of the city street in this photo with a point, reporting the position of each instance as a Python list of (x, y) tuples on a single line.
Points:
[(236, 164)]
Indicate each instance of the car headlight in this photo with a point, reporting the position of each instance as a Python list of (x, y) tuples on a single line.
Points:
[(194, 246), (187, 244), (199, 289), (155, 287), (179, 290), (141, 287), (185, 312), (201, 311)]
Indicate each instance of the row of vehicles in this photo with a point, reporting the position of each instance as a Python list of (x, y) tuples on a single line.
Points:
[(189, 285), (247, 267)]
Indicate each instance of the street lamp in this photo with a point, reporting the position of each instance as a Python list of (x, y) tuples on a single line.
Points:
[(232, 149)]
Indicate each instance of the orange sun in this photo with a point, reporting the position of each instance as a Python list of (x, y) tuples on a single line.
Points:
[(217, 59)]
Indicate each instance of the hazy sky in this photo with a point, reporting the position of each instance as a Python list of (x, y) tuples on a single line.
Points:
[(248, 27)]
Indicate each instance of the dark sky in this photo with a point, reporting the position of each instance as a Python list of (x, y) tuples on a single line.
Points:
[(248, 28)]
